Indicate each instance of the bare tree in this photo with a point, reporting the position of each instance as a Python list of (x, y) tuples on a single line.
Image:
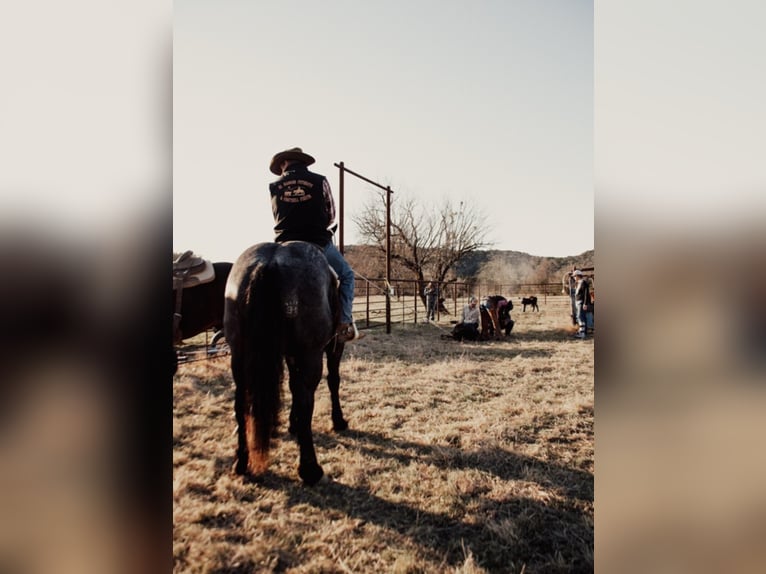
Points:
[(426, 242)]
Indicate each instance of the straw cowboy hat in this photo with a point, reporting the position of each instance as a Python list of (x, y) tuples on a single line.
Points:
[(295, 153)]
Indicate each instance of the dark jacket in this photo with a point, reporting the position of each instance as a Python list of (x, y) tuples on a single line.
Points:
[(582, 292), (303, 206)]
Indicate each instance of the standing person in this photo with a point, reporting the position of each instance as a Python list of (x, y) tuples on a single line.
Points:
[(582, 302), (591, 307), (304, 210), (431, 293)]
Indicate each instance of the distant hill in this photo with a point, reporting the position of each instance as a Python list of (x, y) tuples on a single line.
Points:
[(491, 265)]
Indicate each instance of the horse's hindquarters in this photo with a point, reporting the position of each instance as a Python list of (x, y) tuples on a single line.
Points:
[(280, 305)]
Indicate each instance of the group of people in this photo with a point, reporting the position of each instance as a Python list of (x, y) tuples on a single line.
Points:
[(467, 327), (485, 320), (581, 292)]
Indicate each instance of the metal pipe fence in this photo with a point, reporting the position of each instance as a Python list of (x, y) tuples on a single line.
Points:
[(408, 306)]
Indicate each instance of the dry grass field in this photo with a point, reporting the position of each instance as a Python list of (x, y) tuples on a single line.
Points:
[(460, 457)]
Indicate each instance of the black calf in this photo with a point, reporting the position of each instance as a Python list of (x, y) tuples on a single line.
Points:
[(529, 301)]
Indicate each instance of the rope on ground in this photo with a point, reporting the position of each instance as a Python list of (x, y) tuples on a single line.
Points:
[(439, 326)]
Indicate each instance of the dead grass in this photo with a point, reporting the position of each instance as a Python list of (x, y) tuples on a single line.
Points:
[(461, 457)]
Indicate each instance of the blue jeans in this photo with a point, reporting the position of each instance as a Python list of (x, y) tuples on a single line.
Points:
[(581, 320), (346, 277)]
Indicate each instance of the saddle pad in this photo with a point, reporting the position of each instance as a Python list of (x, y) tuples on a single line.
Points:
[(205, 275)]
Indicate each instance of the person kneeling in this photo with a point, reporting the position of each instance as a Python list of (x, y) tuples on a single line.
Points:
[(468, 327)]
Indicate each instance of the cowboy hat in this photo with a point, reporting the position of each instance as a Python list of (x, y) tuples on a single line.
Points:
[(295, 153)]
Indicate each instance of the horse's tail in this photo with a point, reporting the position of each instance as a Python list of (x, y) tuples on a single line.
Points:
[(263, 357)]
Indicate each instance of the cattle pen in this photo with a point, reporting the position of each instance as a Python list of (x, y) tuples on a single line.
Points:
[(470, 457), (406, 307)]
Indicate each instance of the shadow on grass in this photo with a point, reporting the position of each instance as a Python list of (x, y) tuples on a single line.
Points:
[(554, 535), (546, 537), (423, 354), (423, 344), (502, 463)]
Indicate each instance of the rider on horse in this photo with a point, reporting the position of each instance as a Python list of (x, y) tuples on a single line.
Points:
[(304, 210)]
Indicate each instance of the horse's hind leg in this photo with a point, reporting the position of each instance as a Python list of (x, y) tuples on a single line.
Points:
[(304, 378), (241, 459), (333, 383)]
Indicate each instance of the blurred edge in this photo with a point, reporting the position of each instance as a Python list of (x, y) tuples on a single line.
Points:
[(680, 180), (85, 194), (85, 349)]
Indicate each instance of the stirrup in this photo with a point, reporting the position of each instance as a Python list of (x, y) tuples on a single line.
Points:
[(349, 333)]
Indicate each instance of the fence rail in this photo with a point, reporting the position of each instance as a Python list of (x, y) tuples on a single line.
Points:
[(407, 304)]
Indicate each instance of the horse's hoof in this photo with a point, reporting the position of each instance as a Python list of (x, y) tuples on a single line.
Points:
[(239, 468), (340, 426), (311, 476)]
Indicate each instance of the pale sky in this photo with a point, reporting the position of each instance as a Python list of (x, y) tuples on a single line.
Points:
[(489, 102), (521, 107)]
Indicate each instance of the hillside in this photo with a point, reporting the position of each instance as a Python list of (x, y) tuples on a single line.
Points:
[(491, 265)]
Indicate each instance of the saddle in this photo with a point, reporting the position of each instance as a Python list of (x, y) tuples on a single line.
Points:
[(190, 270)]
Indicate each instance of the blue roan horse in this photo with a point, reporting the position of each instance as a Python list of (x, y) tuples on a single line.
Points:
[(281, 307)]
